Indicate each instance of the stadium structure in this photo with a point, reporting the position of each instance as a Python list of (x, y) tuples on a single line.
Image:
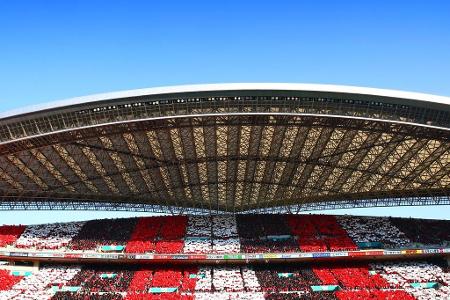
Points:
[(229, 166)]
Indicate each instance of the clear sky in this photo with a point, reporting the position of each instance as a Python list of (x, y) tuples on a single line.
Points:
[(51, 50)]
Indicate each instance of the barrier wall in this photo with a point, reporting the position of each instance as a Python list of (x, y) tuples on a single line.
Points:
[(220, 258)]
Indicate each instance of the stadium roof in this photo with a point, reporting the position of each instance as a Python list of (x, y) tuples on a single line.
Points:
[(228, 148)]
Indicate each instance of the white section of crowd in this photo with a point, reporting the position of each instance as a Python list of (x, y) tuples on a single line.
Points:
[(373, 229), (36, 286), (228, 279), (251, 282), (217, 234), (204, 282), (48, 236), (402, 274)]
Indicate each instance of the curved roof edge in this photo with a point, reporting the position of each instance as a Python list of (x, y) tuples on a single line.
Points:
[(328, 88)]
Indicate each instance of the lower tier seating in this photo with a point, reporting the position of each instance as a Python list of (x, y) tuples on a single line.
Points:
[(382, 280)]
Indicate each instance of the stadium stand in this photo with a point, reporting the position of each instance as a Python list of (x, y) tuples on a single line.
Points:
[(426, 232), (9, 234), (373, 230), (7, 281), (103, 232), (229, 234), (48, 236), (220, 154), (380, 280), (158, 234)]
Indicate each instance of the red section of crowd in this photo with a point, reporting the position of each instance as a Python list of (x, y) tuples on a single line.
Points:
[(158, 234), (255, 234), (143, 280), (10, 233), (272, 282), (325, 275), (373, 294), (7, 280), (358, 277), (317, 233), (171, 296)]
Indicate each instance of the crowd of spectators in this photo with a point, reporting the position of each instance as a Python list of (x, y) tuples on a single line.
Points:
[(86, 296), (7, 280), (268, 245), (403, 274), (325, 275), (373, 295), (38, 284), (383, 280), (352, 277), (265, 233), (48, 236), (9, 234), (100, 279), (427, 232), (212, 234), (317, 233), (230, 296), (144, 236), (373, 229), (225, 235), (261, 226), (198, 235), (283, 279), (227, 279), (301, 296), (109, 232), (230, 234), (158, 234)]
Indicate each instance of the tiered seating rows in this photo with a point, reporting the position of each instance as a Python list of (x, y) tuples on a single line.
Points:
[(228, 234), (9, 234), (391, 281)]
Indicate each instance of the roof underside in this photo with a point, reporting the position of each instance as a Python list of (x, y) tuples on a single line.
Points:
[(228, 151)]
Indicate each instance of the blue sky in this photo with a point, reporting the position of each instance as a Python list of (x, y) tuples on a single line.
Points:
[(51, 50)]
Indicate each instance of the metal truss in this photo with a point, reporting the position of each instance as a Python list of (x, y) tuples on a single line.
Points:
[(23, 205), (153, 106), (228, 163), (350, 204)]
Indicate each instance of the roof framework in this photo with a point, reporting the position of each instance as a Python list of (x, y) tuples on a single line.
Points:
[(228, 152)]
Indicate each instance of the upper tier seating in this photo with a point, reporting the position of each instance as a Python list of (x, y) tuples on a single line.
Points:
[(229, 234), (103, 232), (373, 229), (427, 232), (198, 235), (265, 233), (48, 236), (158, 234), (319, 233), (9, 234)]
